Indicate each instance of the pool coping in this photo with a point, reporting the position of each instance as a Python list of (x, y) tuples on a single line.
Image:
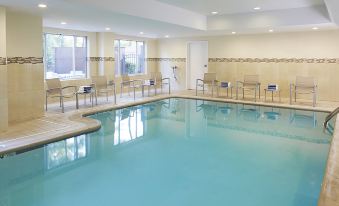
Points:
[(330, 186)]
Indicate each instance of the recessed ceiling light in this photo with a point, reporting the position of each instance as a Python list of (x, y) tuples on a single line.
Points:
[(42, 5), (257, 8), (141, 33), (214, 12), (315, 28), (233, 32), (63, 23), (271, 30), (107, 28), (167, 36)]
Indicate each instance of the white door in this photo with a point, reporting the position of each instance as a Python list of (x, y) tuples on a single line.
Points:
[(197, 62)]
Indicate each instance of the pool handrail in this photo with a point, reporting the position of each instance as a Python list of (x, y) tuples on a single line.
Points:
[(330, 116)]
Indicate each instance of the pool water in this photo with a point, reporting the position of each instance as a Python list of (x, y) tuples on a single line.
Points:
[(177, 152)]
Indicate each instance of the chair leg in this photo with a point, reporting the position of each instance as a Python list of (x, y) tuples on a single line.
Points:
[(107, 96), (212, 89), (121, 90), (237, 92), (169, 88), (295, 96), (196, 90), (203, 89), (115, 95), (255, 95), (62, 104), (314, 99), (46, 100), (290, 94), (243, 93), (133, 92)]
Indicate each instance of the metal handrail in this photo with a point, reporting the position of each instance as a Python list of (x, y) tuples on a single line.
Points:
[(330, 116)]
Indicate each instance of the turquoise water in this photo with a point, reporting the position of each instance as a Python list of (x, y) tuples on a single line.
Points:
[(177, 152)]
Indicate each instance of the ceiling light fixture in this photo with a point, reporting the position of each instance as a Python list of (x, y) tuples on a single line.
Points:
[(63, 23), (271, 30), (233, 32), (167, 36), (315, 28), (42, 5), (257, 8), (107, 28), (214, 12), (141, 33)]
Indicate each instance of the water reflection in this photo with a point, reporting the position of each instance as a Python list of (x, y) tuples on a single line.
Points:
[(274, 114), (129, 124), (306, 119), (256, 119), (248, 112), (66, 151)]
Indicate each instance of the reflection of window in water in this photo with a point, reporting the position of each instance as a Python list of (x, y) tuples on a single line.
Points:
[(128, 126), (66, 151)]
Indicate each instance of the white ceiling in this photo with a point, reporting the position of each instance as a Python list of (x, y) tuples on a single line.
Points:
[(205, 7), (179, 18)]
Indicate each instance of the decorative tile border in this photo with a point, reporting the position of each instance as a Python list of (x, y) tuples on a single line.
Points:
[(166, 59), (101, 59), (276, 60), (3, 61), (25, 60)]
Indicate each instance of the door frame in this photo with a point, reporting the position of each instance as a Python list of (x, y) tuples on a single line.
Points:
[(188, 69)]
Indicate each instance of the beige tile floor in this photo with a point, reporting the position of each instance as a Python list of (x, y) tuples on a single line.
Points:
[(56, 125)]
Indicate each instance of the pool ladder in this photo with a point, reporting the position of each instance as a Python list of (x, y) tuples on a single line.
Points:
[(327, 126)]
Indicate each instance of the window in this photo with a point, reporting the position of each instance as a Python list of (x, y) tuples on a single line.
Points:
[(65, 56), (129, 57)]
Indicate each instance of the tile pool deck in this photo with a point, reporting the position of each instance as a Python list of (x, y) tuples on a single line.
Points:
[(56, 126)]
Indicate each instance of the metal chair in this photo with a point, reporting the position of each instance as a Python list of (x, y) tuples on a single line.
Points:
[(304, 85), (101, 86), (250, 83), (125, 83), (159, 81), (210, 79), (130, 84), (55, 90)]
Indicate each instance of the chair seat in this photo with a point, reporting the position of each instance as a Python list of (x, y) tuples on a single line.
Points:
[(105, 90), (69, 95)]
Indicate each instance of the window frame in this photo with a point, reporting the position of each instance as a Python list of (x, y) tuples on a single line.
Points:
[(117, 58), (73, 56)]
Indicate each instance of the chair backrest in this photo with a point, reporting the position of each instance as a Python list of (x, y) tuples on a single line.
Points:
[(100, 82), (157, 76), (306, 82), (53, 85), (251, 79), (125, 78), (210, 77)]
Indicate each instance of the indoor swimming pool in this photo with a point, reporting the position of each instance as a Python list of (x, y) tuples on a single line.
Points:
[(177, 152)]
